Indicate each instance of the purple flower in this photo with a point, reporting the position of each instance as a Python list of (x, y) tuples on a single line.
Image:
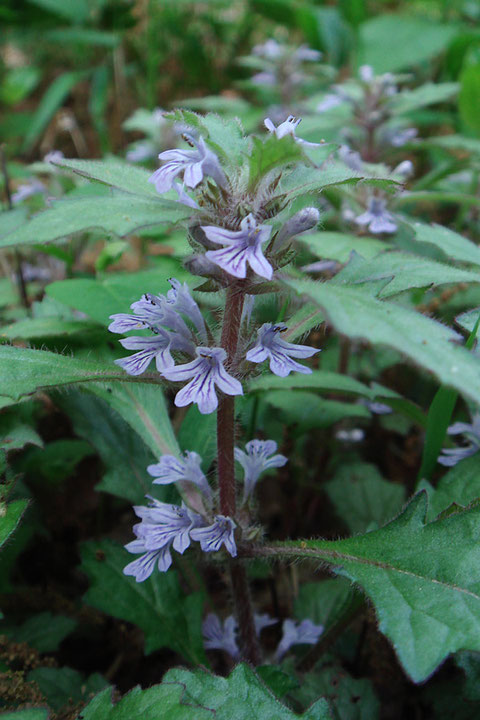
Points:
[(140, 152), (156, 311), (287, 128), (280, 353), (161, 526), (157, 347), (377, 218), (452, 456), (270, 49), (194, 164), (329, 102), (256, 460), (242, 247), (221, 636), (398, 137), (142, 567), (184, 198), (205, 372), (33, 187), (187, 469), (297, 633), (220, 532), (180, 299), (263, 621)]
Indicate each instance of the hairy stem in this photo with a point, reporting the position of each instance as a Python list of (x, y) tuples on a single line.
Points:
[(226, 474), (226, 405), (244, 613)]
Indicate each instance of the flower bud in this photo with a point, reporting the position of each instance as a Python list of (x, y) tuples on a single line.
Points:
[(201, 265), (303, 220)]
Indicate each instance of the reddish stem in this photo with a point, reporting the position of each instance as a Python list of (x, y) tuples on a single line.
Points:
[(226, 474), (226, 405)]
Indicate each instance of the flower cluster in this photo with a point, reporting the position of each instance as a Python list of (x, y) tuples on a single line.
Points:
[(223, 636), (167, 316)]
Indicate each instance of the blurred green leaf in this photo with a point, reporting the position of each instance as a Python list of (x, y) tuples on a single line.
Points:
[(51, 101), (167, 617), (469, 97), (18, 83), (338, 246), (361, 496), (10, 516), (44, 631), (401, 271), (393, 42), (308, 410), (65, 686), (76, 11), (452, 244), (114, 293)]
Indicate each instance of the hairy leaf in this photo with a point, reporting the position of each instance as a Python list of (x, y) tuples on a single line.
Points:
[(423, 579), (119, 213), (432, 346)]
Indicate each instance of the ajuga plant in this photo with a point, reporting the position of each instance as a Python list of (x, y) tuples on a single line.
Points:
[(230, 345)]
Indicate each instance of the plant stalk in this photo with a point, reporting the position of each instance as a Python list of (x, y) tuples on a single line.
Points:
[(226, 474)]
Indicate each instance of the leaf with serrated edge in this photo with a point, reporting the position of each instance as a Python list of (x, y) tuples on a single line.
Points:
[(424, 580), (427, 343), (119, 214)]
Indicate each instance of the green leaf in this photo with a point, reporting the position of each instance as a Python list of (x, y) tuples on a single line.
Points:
[(422, 578), (14, 434), (269, 154), (318, 380), (307, 180), (324, 602), (115, 173), (49, 327), (10, 516), (350, 698), (338, 246), (392, 42), (241, 696), (44, 631), (51, 101), (65, 686), (11, 219), (116, 292), (167, 617), (402, 271), (24, 371), (119, 445), (427, 94), (76, 11), (27, 714), (425, 342), (309, 411), (469, 97), (118, 213), (57, 460), (452, 244), (199, 433), (361, 496), (460, 486), (185, 695), (144, 408)]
